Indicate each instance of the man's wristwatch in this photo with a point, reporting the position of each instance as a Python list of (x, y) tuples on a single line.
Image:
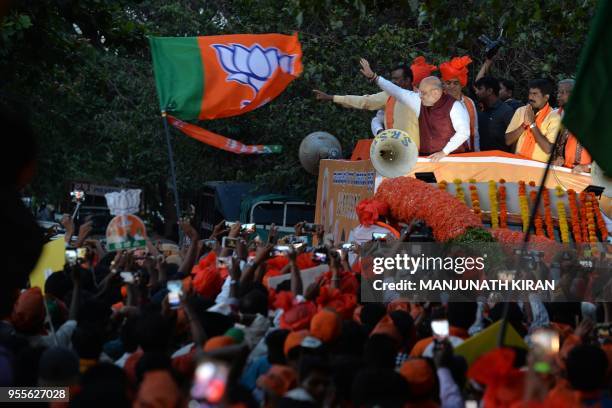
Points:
[(533, 125)]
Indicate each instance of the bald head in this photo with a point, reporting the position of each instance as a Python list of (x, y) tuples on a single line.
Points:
[(430, 90), (433, 81), (564, 90)]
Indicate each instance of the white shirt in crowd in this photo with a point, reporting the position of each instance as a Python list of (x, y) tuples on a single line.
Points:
[(458, 114)]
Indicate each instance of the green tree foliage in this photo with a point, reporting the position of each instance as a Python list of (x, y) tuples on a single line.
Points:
[(82, 68)]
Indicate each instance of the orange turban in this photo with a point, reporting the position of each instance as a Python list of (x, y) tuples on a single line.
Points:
[(158, 389), (387, 327), (296, 316), (29, 312), (294, 339), (456, 68), (368, 210), (208, 280), (420, 376), (218, 342), (421, 70), (342, 303), (326, 325), (278, 380)]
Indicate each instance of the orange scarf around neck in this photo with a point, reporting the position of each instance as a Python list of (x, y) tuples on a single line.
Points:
[(529, 141)]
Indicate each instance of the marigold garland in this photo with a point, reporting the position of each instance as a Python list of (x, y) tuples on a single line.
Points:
[(493, 201), (523, 204), (548, 219), (583, 218), (601, 224), (590, 216), (409, 199), (575, 220), (442, 185), (563, 226), (538, 223), (475, 200), (459, 188), (503, 209)]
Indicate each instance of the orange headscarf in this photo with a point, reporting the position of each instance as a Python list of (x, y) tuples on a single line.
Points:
[(421, 70), (456, 68), (529, 141)]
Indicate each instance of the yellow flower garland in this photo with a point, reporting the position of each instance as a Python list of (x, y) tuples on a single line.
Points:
[(493, 200), (563, 225), (524, 205), (460, 193)]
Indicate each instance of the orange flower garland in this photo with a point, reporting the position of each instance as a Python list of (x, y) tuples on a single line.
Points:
[(571, 195), (409, 199), (590, 216), (493, 200), (583, 218), (563, 226), (538, 223), (601, 224), (503, 209), (442, 185), (523, 204), (548, 220), (475, 200)]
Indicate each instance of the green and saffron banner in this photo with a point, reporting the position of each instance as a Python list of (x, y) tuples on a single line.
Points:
[(221, 142), (201, 78)]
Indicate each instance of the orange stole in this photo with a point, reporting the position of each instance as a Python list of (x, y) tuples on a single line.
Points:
[(472, 112), (389, 108), (529, 142), (571, 152)]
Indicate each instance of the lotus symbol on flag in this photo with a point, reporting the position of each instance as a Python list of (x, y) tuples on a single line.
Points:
[(252, 66)]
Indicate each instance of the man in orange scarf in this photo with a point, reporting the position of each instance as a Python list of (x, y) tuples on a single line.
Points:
[(455, 78), (569, 152), (535, 126), (396, 115)]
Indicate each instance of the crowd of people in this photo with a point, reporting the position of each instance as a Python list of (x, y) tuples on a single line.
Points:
[(211, 324), (445, 114), (108, 328)]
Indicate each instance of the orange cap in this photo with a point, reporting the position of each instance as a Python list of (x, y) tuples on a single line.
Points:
[(294, 339), (420, 376), (326, 325), (218, 342)]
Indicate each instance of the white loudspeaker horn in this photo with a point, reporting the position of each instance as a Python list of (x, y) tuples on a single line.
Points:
[(317, 146), (393, 153)]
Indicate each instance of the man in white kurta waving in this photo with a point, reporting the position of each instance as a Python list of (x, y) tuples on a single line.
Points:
[(444, 123)]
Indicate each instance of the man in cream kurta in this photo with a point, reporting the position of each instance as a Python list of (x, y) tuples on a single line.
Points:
[(397, 115)]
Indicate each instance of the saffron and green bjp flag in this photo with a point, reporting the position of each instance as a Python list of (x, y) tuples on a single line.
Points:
[(203, 78), (590, 107)]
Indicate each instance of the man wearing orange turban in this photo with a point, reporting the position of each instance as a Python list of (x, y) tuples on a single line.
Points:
[(396, 115), (455, 77)]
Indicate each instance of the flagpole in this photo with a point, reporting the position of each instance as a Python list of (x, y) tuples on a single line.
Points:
[(504, 323), (172, 170)]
